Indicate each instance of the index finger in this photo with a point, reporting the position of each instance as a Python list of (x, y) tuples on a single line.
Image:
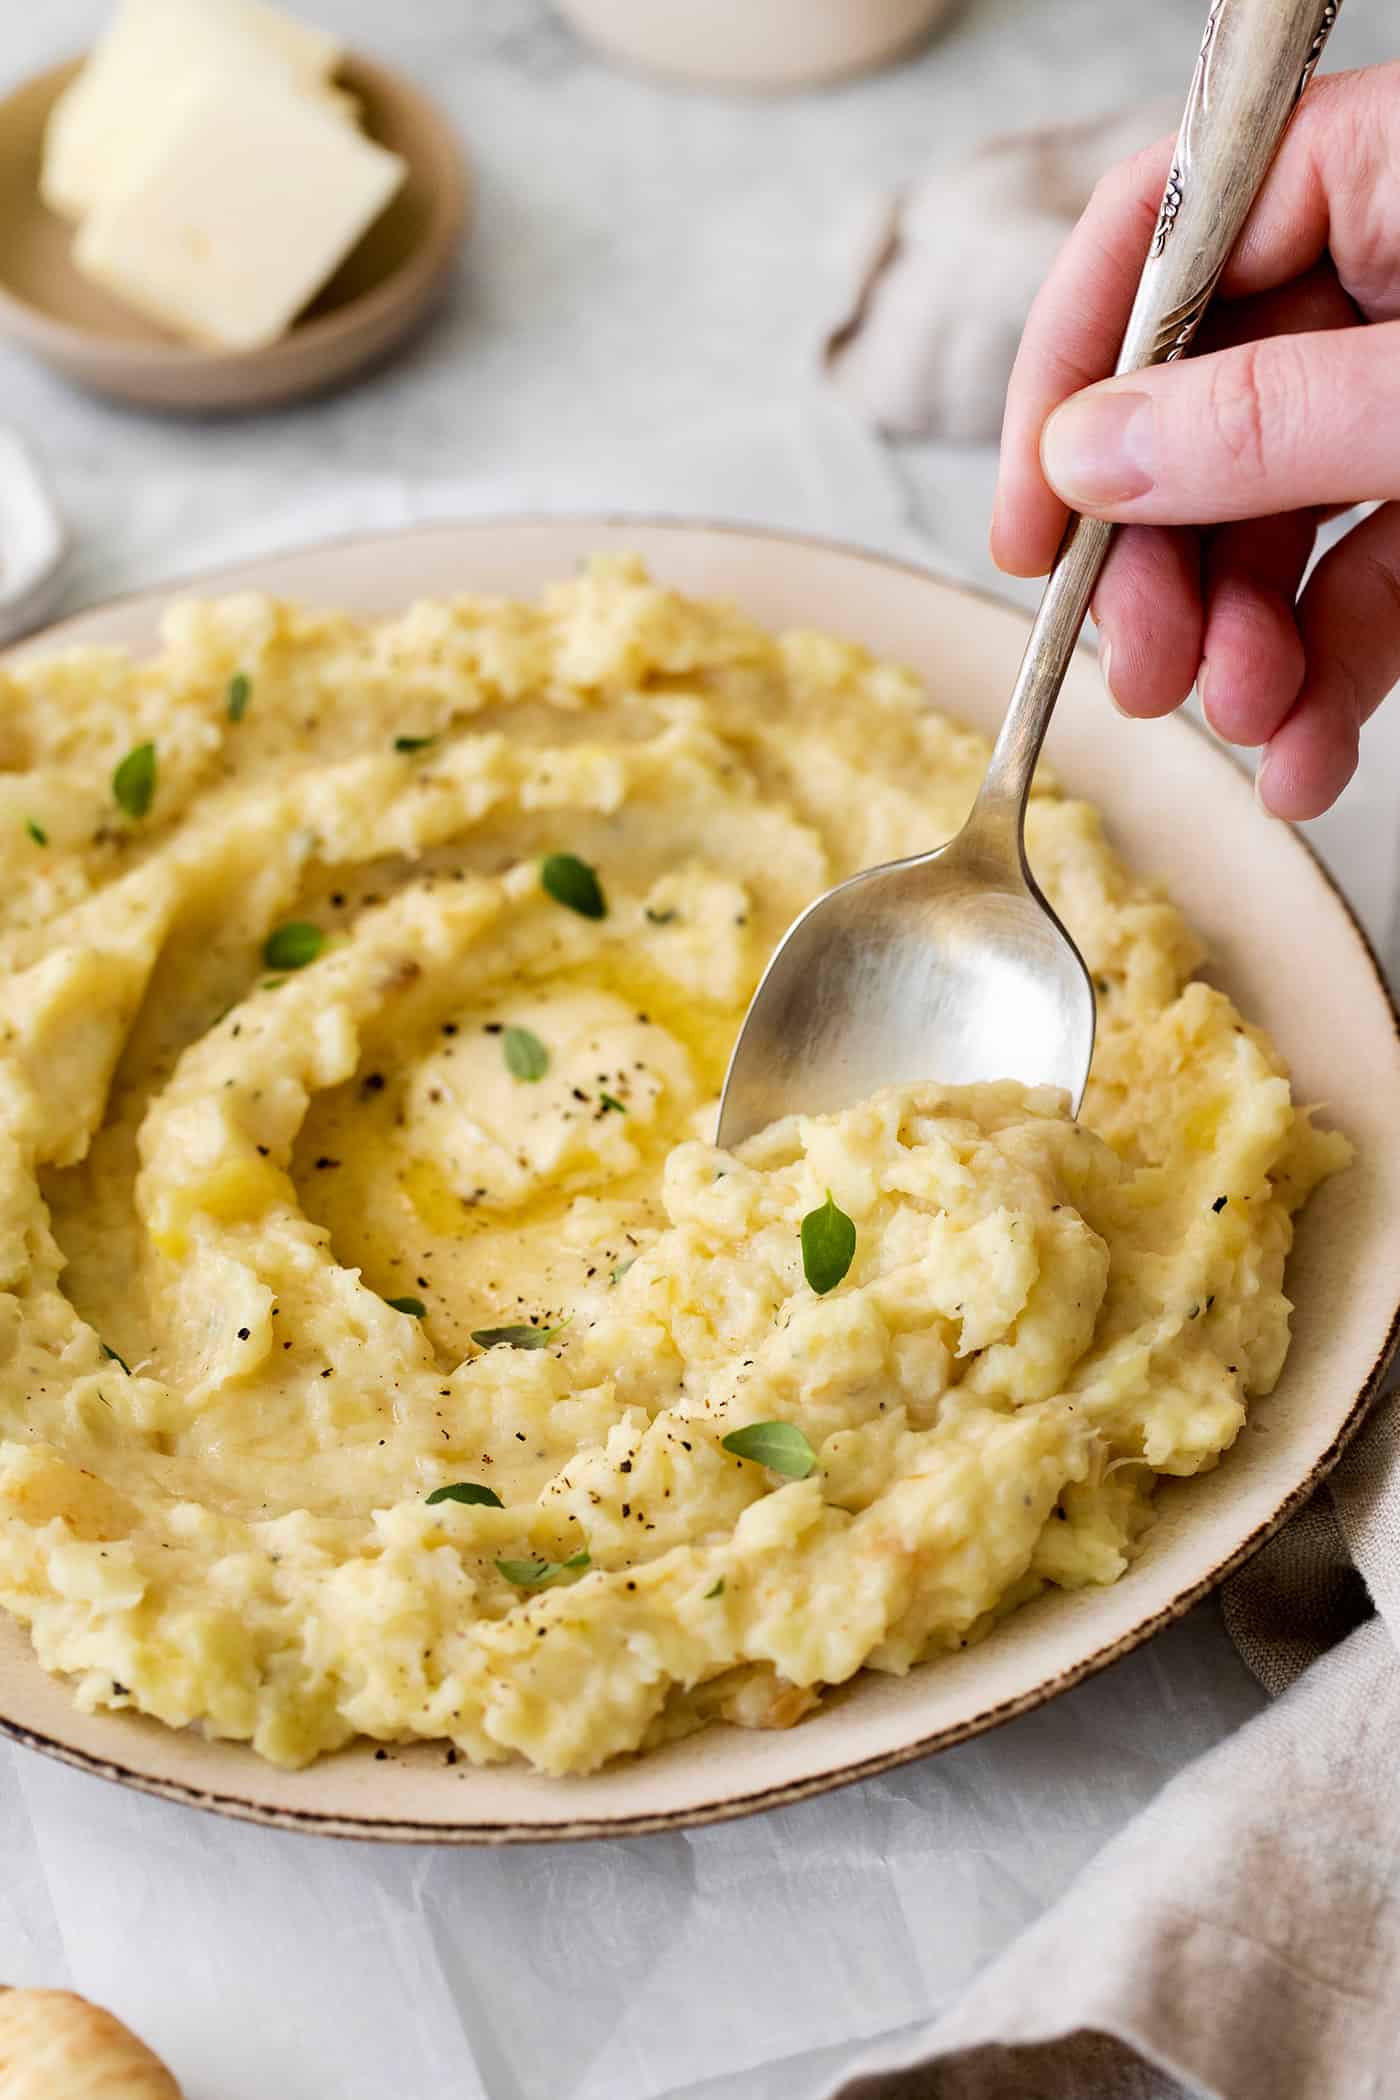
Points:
[(1071, 338)]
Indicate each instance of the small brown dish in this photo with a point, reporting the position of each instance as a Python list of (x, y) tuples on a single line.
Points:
[(384, 287)]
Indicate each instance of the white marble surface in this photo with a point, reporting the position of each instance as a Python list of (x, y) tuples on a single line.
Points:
[(633, 327)]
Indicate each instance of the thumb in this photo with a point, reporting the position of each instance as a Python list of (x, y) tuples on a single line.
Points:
[(1274, 425)]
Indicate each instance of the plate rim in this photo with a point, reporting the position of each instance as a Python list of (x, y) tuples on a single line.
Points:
[(383, 1829)]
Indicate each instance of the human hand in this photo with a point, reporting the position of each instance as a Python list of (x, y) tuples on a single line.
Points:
[(1223, 465)]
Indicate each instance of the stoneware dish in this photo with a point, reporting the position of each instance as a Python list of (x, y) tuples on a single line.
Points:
[(385, 286), (1283, 942), (765, 46)]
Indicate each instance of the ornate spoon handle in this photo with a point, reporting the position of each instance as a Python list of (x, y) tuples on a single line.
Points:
[(1256, 59)]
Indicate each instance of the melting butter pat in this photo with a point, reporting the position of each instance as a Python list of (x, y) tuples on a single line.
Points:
[(247, 202), (104, 126)]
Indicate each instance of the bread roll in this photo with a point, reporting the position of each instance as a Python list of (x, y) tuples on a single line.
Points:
[(55, 2046)]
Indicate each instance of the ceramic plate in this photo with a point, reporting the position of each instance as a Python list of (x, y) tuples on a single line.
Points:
[(1283, 943)]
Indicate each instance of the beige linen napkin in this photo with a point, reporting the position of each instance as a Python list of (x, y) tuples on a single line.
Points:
[(941, 276), (1241, 1938)]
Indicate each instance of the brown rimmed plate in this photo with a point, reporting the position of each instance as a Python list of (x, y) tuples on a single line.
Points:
[(1283, 943), (387, 284)]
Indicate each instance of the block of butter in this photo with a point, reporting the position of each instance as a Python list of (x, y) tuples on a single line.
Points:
[(100, 130), (249, 195)]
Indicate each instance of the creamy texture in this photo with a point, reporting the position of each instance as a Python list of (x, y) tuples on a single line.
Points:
[(224, 1171)]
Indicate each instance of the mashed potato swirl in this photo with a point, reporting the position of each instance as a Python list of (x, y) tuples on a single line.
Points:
[(342, 1161)]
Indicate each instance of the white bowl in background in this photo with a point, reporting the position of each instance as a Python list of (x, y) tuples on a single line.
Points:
[(769, 45)]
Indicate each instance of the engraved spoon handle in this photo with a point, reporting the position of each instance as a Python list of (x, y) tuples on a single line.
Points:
[(1256, 59)]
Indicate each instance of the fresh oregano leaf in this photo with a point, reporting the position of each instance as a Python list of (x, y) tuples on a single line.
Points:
[(607, 1101), (36, 832), (828, 1246), (539, 1574), (413, 743), (240, 692), (780, 1446), (134, 781), (513, 1337), (525, 1055), (716, 1589), (293, 946), (414, 1307), (571, 881), (466, 1491)]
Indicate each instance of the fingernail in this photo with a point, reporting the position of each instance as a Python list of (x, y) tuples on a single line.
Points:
[(1097, 448), (1106, 672), (1203, 687)]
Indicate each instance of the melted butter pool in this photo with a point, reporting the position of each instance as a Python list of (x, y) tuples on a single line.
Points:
[(497, 1200)]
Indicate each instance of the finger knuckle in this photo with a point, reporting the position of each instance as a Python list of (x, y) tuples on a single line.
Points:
[(1257, 405), (1345, 133)]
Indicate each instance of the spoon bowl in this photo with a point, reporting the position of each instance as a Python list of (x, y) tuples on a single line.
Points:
[(962, 973)]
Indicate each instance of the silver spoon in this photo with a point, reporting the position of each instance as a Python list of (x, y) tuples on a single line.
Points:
[(951, 966)]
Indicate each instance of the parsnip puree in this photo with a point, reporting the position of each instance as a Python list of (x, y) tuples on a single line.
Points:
[(366, 993)]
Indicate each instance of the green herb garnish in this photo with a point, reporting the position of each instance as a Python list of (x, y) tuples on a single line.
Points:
[(413, 743), (525, 1055), (659, 918), (607, 1101), (716, 1589), (134, 781), (240, 692), (293, 946), (539, 1574), (621, 1270), (780, 1446), (36, 832), (571, 881), (466, 1491), (828, 1246), (513, 1337), (113, 1358), (414, 1307)]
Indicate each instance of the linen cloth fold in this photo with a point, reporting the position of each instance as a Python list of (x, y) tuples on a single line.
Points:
[(940, 276), (1241, 1938)]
